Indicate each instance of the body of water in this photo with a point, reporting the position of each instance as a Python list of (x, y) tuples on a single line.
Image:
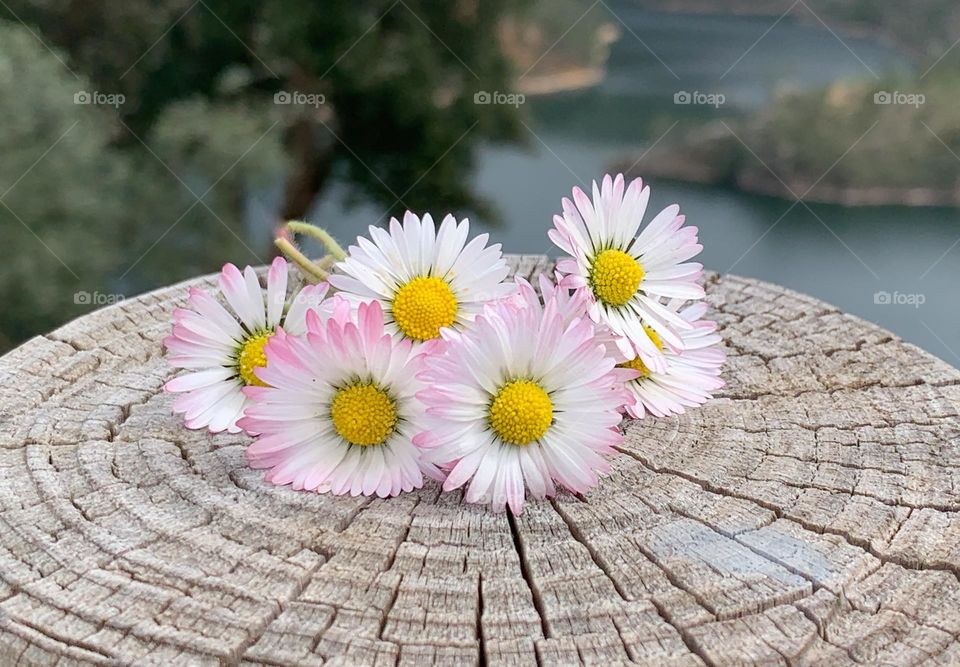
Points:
[(850, 257)]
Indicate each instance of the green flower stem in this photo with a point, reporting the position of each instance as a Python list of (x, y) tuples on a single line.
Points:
[(311, 271), (326, 262), (297, 227)]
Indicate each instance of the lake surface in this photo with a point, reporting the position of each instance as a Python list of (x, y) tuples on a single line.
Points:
[(846, 256)]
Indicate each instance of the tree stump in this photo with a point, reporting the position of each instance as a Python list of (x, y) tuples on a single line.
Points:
[(808, 515)]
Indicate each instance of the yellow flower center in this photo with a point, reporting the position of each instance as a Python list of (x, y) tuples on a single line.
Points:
[(521, 412), (363, 414), (251, 357), (615, 277), (638, 365), (423, 306)]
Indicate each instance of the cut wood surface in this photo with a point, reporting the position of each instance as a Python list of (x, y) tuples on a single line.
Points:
[(807, 515)]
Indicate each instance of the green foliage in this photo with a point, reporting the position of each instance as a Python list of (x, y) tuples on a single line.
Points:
[(79, 211), (910, 145), (204, 136), (53, 203)]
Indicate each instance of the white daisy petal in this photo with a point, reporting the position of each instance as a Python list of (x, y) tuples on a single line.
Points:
[(233, 286), (311, 297), (276, 291), (203, 378), (214, 314), (450, 241), (254, 300)]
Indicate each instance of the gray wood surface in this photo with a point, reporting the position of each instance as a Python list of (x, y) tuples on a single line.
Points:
[(808, 515)]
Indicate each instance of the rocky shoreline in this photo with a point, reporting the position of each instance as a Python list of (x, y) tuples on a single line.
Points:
[(757, 184), (712, 162), (574, 78)]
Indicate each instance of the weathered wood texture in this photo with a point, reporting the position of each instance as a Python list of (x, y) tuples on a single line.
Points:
[(809, 515)]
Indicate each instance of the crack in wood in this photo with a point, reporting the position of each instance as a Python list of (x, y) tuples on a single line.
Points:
[(527, 575), (781, 513)]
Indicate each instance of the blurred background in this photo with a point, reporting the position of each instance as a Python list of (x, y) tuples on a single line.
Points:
[(815, 143)]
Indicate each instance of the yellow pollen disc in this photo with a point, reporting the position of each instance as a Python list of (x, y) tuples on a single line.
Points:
[(615, 277), (638, 365), (363, 414), (654, 336), (521, 412), (423, 306), (252, 356)]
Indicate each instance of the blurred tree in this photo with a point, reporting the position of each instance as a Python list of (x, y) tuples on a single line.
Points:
[(397, 79), (60, 187), (77, 211)]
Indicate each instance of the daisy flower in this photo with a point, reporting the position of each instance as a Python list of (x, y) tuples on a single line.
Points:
[(222, 346), (425, 279), (520, 400), (339, 411), (691, 376), (626, 273)]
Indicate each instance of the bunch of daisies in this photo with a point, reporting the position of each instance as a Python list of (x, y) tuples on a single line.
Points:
[(413, 355)]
